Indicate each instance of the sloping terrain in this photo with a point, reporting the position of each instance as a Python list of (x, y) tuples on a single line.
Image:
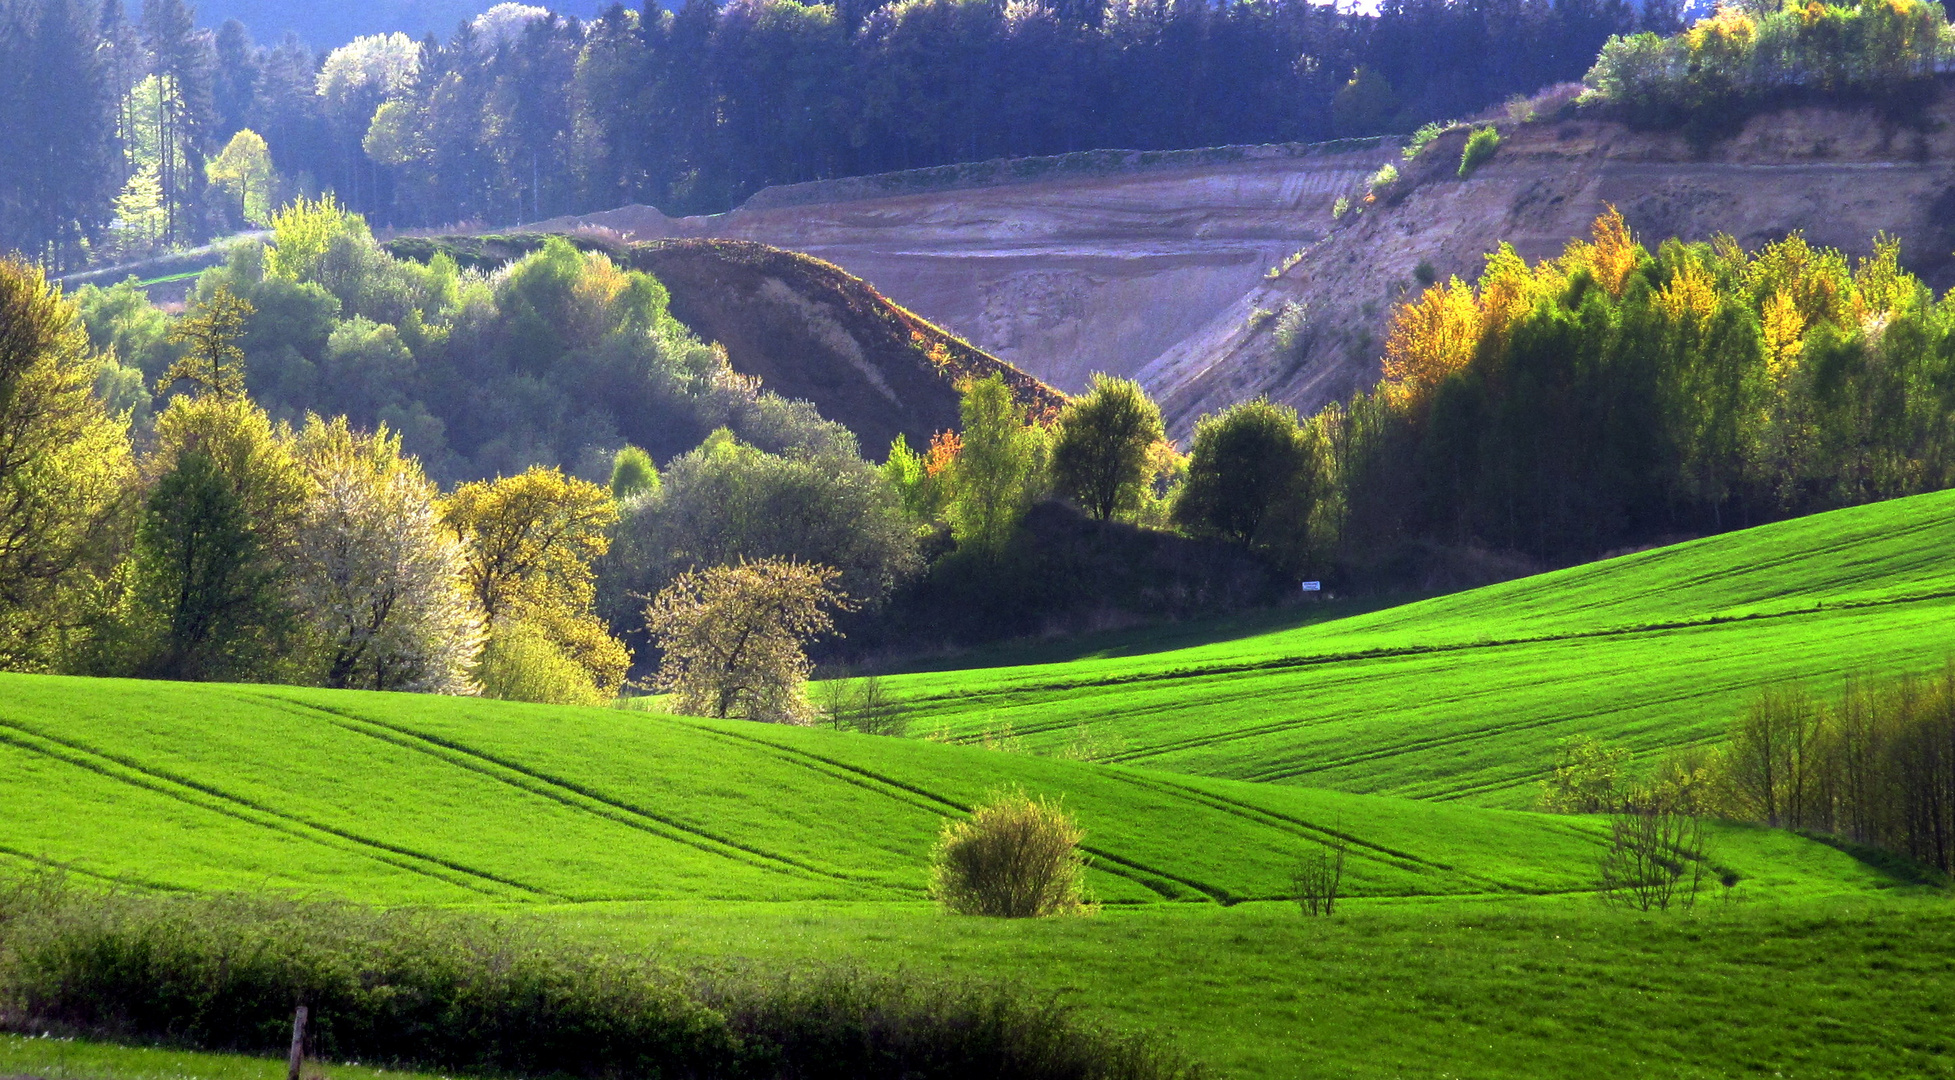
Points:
[(1839, 175), (1463, 697), (1154, 265), (1062, 266), (804, 327), (419, 799)]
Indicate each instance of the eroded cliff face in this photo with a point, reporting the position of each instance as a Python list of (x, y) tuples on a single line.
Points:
[(1838, 175), (1158, 272)]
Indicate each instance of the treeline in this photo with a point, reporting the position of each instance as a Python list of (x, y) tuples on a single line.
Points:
[(1874, 765), (1614, 396), (170, 526), (522, 114), (1748, 55), (561, 358)]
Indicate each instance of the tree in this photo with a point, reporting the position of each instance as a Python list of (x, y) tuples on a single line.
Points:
[(243, 170), (633, 473), (1100, 452), (184, 110), (1589, 776), (376, 578), (210, 596), (57, 170), (528, 543), (735, 637), (727, 501), (202, 573), (1246, 466), (64, 463), (999, 469), (212, 359)]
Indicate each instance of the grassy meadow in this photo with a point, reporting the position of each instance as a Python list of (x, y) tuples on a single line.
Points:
[(1471, 943), (1462, 697)]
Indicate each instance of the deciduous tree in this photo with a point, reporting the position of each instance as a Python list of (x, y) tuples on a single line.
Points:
[(377, 578), (64, 465), (735, 637), (1101, 446)]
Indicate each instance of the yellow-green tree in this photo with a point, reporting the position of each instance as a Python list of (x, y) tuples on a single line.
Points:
[(64, 464), (243, 170), (209, 594), (998, 470), (212, 359), (528, 544), (735, 637)]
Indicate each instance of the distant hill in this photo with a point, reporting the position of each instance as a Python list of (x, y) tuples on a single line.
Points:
[(804, 327), (1167, 266)]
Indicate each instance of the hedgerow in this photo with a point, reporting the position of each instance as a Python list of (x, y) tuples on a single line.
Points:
[(449, 992)]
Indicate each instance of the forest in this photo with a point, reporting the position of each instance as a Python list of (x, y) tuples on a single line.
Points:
[(140, 130)]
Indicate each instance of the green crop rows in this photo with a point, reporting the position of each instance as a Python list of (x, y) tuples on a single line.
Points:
[(1470, 944), (1462, 697)]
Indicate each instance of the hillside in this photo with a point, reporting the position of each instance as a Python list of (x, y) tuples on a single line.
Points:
[(1462, 697), (805, 328), (1063, 266), (1839, 175), (422, 799), (1155, 268)]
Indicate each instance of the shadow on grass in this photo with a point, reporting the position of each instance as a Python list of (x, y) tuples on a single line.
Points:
[(1151, 638), (1898, 869)]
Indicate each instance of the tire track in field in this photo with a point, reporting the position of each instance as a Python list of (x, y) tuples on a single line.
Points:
[(881, 784), (571, 794), (214, 800), (1376, 852), (107, 879)]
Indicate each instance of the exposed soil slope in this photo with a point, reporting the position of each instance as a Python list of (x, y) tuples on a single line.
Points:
[(1153, 265), (1062, 266), (804, 327), (1838, 175)]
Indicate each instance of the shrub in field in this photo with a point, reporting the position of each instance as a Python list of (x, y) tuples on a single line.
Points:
[(428, 991), (1017, 857), (1588, 777), (1655, 858), (1479, 147), (862, 705), (1318, 879)]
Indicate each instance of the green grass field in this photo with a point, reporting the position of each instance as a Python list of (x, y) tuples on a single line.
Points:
[(1472, 944), (1463, 696)]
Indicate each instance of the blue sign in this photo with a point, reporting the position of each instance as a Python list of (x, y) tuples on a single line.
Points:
[(1313, 586)]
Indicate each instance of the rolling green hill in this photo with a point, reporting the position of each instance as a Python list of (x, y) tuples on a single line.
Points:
[(1468, 945), (418, 799), (1462, 697)]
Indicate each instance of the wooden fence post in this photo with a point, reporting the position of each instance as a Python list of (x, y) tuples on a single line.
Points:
[(298, 1045)]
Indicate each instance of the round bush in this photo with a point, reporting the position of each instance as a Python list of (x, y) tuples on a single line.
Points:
[(1017, 857)]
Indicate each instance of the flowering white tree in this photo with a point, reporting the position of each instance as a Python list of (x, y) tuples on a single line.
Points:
[(378, 579)]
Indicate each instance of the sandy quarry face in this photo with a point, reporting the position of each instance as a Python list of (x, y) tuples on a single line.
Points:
[(1066, 277), (1840, 176), (1159, 274)]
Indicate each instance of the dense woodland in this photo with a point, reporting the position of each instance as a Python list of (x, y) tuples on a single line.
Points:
[(128, 123)]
